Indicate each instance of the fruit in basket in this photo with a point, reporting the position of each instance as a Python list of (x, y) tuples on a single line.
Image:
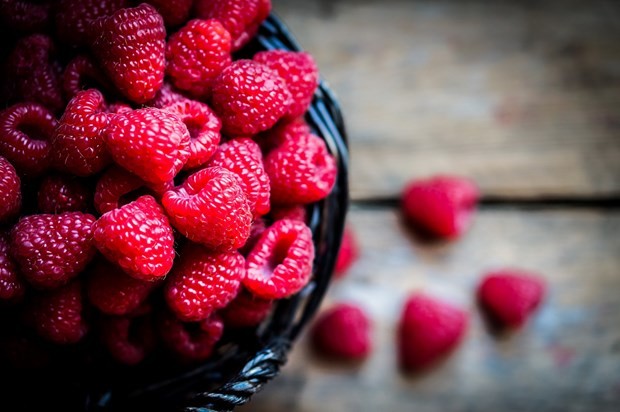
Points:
[(145, 210)]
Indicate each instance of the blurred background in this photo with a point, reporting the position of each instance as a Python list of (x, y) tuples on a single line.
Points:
[(524, 98)]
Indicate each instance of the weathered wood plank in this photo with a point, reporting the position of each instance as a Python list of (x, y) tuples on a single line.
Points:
[(522, 96), (566, 359)]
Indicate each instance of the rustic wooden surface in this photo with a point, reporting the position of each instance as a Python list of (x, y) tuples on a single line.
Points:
[(523, 96)]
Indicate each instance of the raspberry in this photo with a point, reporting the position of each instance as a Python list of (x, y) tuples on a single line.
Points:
[(58, 316), (282, 132), (210, 208), (440, 206), (291, 212), (151, 143), (166, 96), (301, 171), (243, 157), (114, 292), (240, 17), (138, 238), (77, 143), (52, 249), (25, 132), (203, 281), (343, 332), (246, 310), (75, 18), (35, 75), (12, 288), (10, 191), (82, 74), (190, 341), (429, 329), (63, 193), (197, 54), (249, 97), (280, 264), (299, 71), (174, 12), (204, 130), (117, 187), (130, 45), (256, 230), (510, 296), (25, 16), (119, 107), (128, 339), (348, 254)]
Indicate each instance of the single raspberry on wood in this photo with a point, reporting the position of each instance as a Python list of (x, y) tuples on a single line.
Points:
[(61, 193), (190, 341), (243, 157), (82, 74), (77, 143), (301, 171), (58, 315), (510, 296), (129, 339), (130, 45), (249, 97), (440, 206), (53, 249), (280, 264), (197, 54), (151, 143), (10, 191), (203, 126), (300, 72), (428, 330), (25, 16), (25, 133), (246, 310), (12, 287), (202, 282), (343, 332), (75, 19), (138, 238), (210, 208)]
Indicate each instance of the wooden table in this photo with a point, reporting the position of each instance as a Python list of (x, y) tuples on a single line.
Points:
[(524, 97)]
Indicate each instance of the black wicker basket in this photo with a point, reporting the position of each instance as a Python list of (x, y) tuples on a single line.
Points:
[(243, 361)]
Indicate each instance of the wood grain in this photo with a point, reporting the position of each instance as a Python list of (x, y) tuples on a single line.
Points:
[(566, 359), (524, 97)]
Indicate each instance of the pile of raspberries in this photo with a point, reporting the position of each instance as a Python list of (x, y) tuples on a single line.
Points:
[(153, 184)]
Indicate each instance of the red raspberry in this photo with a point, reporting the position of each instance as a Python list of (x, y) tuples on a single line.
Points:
[(119, 107), (204, 130), (256, 230), (128, 339), (10, 191), (75, 18), (190, 341), (241, 18), (130, 44), (428, 330), (343, 332), (197, 54), (292, 212), (24, 15), (166, 96), (203, 281), (299, 71), (25, 132), (58, 315), (348, 254), (81, 74), (34, 73), (246, 310), (301, 171), (243, 157), (282, 132), (52, 249), (77, 143), (510, 296), (440, 206), (151, 143), (63, 193), (174, 12), (114, 292), (210, 208), (138, 238), (280, 264), (12, 287), (249, 97)]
